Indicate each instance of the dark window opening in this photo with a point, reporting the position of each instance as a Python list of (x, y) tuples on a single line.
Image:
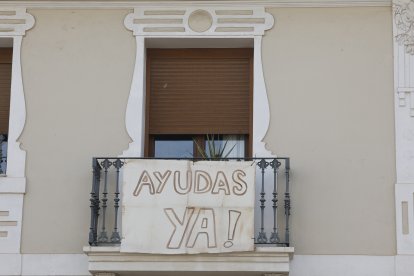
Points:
[(5, 86), (197, 97), (198, 146)]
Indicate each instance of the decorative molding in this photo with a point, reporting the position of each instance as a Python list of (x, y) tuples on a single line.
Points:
[(321, 265), (406, 98), (403, 28), (152, 23), (261, 110), (253, 3), (10, 222), (224, 21), (135, 111), (14, 22), (272, 259), (404, 106), (404, 206), (404, 20)]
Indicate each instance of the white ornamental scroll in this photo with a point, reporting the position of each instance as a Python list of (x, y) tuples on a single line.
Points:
[(179, 207)]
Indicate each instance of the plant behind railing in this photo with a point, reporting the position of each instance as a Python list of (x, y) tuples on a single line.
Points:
[(214, 151)]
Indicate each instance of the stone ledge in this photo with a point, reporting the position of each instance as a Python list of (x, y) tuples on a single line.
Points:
[(12, 185), (262, 260)]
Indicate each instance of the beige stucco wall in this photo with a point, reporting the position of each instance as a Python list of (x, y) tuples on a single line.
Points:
[(77, 70), (330, 84), (329, 78)]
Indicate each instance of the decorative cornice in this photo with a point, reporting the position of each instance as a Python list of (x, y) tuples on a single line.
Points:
[(217, 21), (404, 23), (254, 3), (14, 21)]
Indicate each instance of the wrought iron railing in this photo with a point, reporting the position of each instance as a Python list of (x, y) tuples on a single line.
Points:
[(3, 153), (272, 186)]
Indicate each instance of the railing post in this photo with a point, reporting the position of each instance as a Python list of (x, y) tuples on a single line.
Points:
[(94, 199), (115, 238), (287, 200), (274, 237), (103, 236), (261, 238)]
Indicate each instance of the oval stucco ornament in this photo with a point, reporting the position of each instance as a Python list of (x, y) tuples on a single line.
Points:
[(200, 21)]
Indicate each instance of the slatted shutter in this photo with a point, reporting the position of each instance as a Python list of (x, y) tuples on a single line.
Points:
[(5, 84), (199, 91)]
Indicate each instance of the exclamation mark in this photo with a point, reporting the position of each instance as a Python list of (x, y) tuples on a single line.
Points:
[(233, 219)]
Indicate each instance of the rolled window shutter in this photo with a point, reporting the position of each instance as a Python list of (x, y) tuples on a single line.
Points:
[(199, 91), (5, 84)]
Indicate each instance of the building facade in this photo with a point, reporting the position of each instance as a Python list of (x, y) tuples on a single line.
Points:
[(323, 87)]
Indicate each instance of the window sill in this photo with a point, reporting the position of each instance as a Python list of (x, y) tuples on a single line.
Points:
[(263, 259)]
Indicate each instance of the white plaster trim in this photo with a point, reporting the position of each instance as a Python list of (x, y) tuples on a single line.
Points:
[(403, 14), (301, 265), (109, 259), (55, 264), (261, 111), (44, 264), (12, 185), (11, 206), (16, 157), (10, 264), (342, 265), (404, 265), (135, 112), (14, 22), (406, 98), (259, 3), (405, 241), (8, 29), (181, 21)]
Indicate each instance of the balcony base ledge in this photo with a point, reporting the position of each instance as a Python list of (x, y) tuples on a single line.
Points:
[(264, 260)]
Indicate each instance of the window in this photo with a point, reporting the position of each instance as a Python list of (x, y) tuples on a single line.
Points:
[(5, 84), (197, 95)]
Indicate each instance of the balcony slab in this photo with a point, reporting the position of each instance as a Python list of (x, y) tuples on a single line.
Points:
[(263, 260)]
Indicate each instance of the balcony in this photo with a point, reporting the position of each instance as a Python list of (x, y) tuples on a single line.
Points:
[(270, 217)]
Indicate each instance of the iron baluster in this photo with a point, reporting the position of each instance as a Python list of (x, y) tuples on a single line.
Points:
[(287, 201), (97, 201), (93, 231), (115, 238), (103, 237), (274, 237), (92, 200), (261, 238)]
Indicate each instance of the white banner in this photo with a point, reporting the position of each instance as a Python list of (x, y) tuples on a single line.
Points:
[(176, 207)]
